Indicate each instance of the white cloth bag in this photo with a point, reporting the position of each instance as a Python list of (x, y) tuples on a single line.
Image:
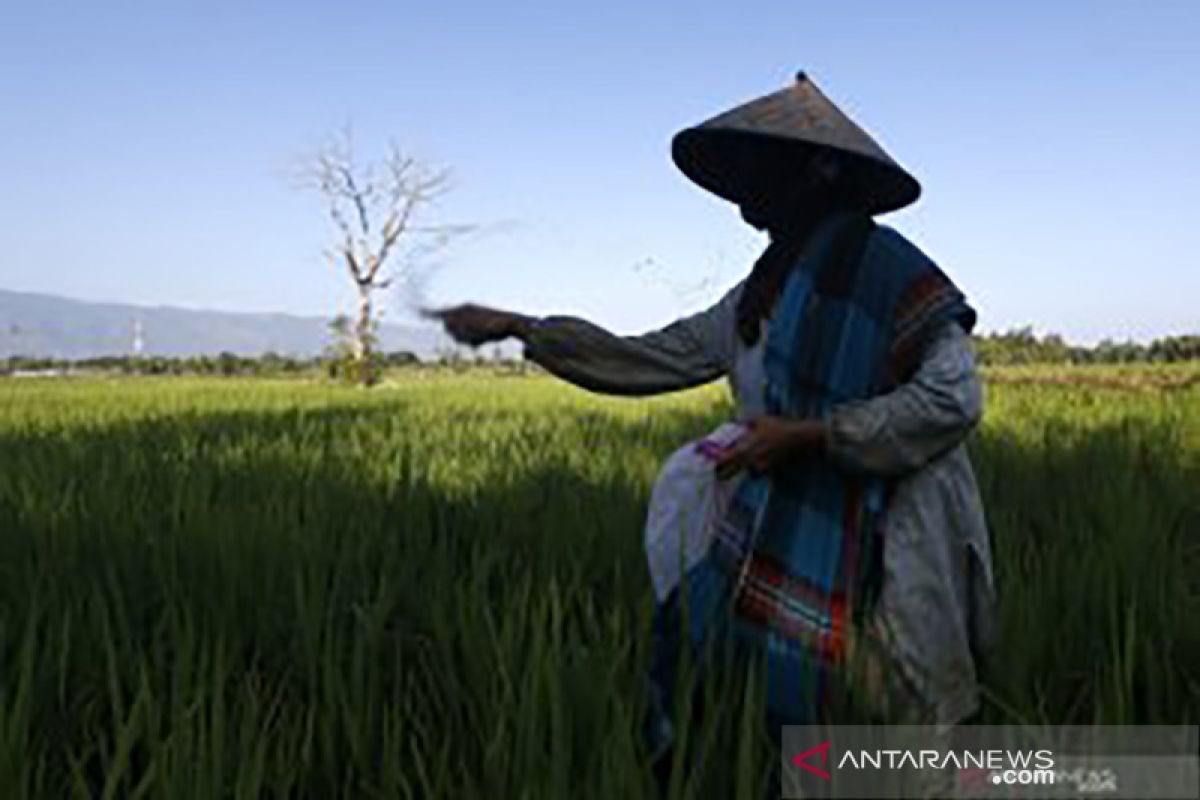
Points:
[(686, 505)]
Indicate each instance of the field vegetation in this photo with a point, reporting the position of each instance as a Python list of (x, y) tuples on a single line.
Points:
[(279, 587)]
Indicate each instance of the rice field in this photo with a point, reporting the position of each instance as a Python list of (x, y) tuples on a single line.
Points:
[(251, 588)]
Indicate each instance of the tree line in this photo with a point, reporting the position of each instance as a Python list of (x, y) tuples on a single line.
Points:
[(1022, 346), (333, 366)]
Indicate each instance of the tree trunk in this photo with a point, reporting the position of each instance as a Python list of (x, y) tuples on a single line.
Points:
[(362, 337)]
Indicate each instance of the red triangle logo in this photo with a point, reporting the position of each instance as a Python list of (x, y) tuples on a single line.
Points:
[(823, 749)]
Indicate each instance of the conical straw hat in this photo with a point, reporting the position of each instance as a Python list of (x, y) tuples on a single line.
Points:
[(767, 139)]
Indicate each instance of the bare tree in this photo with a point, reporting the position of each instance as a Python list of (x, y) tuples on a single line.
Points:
[(376, 208)]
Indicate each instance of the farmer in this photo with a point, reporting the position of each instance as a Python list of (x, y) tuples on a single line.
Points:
[(857, 527)]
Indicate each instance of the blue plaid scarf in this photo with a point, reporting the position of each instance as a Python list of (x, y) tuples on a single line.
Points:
[(799, 557)]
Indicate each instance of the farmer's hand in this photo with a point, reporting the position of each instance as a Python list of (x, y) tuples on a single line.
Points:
[(768, 441), (476, 325)]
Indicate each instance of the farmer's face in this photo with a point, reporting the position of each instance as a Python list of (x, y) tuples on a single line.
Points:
[(780, 202)]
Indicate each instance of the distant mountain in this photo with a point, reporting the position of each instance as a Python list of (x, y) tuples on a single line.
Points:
[(49, 326)]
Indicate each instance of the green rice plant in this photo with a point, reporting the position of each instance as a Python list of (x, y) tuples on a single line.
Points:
[(236, 588)]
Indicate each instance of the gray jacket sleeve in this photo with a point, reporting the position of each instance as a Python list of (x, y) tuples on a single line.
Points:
[(688, 352), (897, 433)]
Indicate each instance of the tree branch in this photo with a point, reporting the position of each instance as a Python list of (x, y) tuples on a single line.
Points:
[(374, 209)]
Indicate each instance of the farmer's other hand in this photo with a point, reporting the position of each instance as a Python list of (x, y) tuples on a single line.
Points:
[(767, 441), (475, 325)]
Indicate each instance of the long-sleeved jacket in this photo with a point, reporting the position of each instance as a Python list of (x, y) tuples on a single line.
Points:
[(936, 609)]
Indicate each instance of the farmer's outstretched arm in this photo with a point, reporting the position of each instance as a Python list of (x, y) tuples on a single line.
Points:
[(688, 352), (899, 432)]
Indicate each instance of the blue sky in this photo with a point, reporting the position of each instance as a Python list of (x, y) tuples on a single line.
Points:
[(147, 147)]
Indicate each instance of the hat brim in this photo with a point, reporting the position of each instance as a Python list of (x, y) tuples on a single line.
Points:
[(735, 164)]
